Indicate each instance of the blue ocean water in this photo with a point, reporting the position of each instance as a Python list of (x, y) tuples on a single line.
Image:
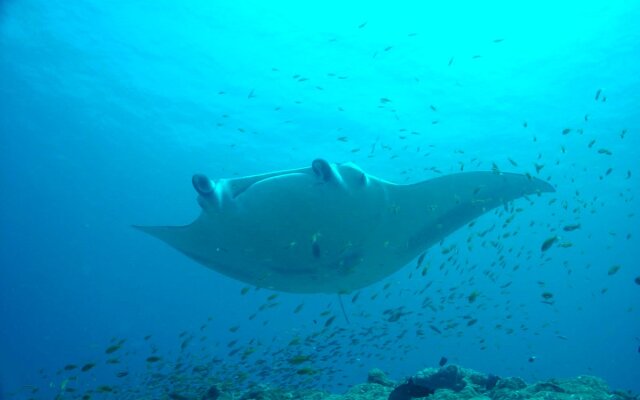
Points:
[(108, 108)]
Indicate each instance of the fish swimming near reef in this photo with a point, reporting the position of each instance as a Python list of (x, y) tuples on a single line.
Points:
[(331, 228)]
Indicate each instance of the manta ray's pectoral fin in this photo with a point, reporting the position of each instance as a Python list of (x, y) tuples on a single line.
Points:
[(188, 239), (176, 236)]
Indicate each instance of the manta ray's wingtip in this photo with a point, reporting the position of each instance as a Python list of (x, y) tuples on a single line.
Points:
[(139, 227), (176, 236), (151, 230), (545, 187)]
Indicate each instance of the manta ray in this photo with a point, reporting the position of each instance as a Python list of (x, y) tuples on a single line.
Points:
[(331, 228)]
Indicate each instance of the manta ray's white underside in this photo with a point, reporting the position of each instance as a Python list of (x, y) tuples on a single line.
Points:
[(331, 228)]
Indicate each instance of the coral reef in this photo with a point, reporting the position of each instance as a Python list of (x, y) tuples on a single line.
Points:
[(456, 383)]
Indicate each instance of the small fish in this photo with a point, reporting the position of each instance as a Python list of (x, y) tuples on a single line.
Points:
[(121, 374), (604, 151), (571, 227), (299, 359), (637, 280), (532, 359), (70, 367), (355, 297), (245, 290), (598, 94), (104, 389), (329, 321), (494, 168), (450, 61), (546, 245), (613, 270), (515, 164), (547, 295), (113, 348), (298, 308), (362, 25), (87, 367), (153, 359), (306, 371), (566, 131), (538, 167), (473, 296), (384, 100), (443, 361)]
